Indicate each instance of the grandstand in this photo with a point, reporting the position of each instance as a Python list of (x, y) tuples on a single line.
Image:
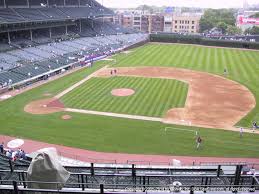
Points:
[(40, 39), (124, 178)]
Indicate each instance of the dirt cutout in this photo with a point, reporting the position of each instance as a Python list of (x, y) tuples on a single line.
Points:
[(66, 117), (212, 101), (44, 106)]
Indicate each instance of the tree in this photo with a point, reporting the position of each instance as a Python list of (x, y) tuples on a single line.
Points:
[(255, 15), (233, 30), (254, 30), (213, 17), (222, 26)]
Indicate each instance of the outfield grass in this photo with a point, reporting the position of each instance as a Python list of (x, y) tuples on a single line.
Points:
[(110, 134), (153, 97), (242, 66)]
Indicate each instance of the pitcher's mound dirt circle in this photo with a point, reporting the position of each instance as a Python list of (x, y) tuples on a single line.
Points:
[(122, 92)]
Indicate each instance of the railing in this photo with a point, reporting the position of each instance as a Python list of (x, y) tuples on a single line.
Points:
[(136, 180), (153, 163), (149, 163), (137, 188)]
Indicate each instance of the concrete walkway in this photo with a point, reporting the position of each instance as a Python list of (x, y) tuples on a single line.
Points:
[(121, 158)]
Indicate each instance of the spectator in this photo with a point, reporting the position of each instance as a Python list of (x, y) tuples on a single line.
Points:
[(8, 154), (23, 155), (2, 148)]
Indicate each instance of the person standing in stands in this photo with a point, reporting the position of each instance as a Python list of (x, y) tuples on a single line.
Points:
[(2, 148)]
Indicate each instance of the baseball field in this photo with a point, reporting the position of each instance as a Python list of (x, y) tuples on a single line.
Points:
[(168, 81)]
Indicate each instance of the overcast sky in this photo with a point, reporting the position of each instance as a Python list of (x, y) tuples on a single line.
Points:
[(187, 3)]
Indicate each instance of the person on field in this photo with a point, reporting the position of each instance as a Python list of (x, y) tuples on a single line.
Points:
[(111, 72), (198, 141), (241, 132), (254, 126), (225, 71), (114, 72)]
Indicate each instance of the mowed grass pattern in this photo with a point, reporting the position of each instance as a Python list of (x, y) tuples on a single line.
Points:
[(110, 134), (242, 65), (153, 97)]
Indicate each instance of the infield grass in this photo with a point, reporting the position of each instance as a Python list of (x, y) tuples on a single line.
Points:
[(153, 97)]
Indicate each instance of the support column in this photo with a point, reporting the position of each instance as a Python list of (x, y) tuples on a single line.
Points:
[(9, 39), (31, 35), (47, 3), (64, 3), (66, 29), (28, 4), (5, 4), (50, 32)]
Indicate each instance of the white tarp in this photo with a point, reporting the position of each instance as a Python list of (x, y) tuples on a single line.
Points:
[(45, 167)]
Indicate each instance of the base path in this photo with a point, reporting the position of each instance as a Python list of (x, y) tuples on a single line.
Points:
[(144, 118), (212, 101), (99, 157), (79, 83)]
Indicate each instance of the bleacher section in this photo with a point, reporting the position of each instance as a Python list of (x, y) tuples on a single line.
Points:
[(46, 37), (34, 61)]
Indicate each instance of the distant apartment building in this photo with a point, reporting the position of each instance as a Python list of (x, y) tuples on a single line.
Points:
[(168, 21), (143, 22), (152, 23), (156, 23), (137, 19), (186, 23)]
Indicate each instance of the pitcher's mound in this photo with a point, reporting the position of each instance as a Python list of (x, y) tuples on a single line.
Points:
[(122, 92), (66, 117)]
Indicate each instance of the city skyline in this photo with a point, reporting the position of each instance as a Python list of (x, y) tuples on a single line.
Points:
[(176, 3)]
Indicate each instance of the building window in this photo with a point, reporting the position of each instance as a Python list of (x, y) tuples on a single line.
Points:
[(175, 21), (192, 27), (193, 22), (175, 27)]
